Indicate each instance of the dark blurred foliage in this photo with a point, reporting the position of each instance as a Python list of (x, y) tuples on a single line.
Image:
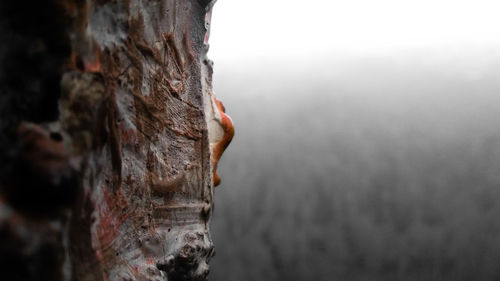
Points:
[(369, 170), (33, 52), (34, 175)]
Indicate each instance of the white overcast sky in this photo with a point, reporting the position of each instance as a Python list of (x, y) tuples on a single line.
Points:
[(267, 29)]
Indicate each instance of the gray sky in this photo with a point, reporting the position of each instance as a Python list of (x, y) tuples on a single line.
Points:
[(281, 29)]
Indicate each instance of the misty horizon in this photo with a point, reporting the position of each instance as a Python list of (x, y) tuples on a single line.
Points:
[(360, 168), (366, 143)]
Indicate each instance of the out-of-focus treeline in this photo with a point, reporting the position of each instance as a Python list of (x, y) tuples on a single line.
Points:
[(366, 170)]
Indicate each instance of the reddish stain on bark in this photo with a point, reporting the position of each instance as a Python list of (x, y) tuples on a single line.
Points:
[(87, 63), (111, 217), (92, 66)]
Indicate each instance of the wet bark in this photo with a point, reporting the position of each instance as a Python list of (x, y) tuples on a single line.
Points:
[(111, 140)]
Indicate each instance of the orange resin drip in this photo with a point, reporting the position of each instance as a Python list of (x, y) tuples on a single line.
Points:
[(219, 147)]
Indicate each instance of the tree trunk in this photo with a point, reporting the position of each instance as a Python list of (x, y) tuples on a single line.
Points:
[(111, 140)]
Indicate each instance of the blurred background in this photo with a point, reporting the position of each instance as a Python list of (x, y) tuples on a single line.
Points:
[(367, 141)]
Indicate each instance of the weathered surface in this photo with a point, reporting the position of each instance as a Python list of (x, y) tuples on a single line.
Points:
[(120, 184)]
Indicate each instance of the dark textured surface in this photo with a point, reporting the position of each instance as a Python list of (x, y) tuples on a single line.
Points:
[(108, 172)]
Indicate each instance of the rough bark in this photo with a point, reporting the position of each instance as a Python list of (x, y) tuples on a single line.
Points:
[(112, 135)]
